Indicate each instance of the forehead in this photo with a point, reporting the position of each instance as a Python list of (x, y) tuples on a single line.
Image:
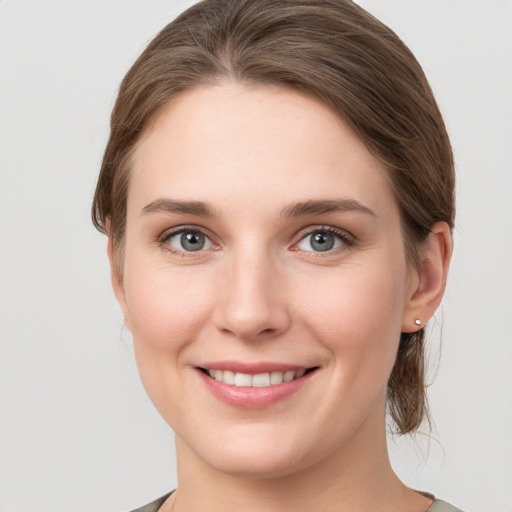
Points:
[(228, 139)]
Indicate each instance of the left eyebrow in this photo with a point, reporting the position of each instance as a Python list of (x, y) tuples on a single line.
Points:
[(324, 206), (167, 205)]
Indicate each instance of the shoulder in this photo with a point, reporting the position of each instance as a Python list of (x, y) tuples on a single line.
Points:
[(437, 506), (154, 505), (442, 506)]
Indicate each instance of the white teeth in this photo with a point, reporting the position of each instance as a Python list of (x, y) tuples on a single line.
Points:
[(228, 377), (276, 378), (242, 380), (288, 376), (259, 380)]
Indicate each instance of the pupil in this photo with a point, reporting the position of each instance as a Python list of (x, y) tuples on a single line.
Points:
[(192, 241), (322, 241)]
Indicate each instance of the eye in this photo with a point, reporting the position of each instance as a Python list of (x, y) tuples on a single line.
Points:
[(188, 240), (323, 240)]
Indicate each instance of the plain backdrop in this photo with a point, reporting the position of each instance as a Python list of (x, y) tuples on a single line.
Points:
[(77, 431)]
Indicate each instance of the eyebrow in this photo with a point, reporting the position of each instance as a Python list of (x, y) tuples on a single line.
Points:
[(165, 205), (323, 206), (298, 209)]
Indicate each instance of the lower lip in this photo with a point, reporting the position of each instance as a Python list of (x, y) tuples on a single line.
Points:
[(254, 398)]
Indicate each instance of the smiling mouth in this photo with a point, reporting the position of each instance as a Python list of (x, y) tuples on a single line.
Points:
[(259, 380)]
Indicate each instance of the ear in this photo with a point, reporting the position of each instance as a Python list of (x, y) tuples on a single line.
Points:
[(428, 280), (117, 280)]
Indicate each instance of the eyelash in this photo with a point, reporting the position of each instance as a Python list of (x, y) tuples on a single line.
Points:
[(164, 239), (346, 239)]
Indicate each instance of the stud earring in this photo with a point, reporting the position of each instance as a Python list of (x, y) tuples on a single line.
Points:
[(417, 321)]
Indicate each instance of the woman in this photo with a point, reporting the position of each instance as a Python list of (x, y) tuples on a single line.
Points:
[(277, 193)]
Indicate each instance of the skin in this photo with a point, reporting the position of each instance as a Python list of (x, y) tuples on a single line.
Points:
[(259, 292)]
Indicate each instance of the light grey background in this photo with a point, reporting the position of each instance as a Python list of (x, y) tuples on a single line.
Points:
[(77, 431)]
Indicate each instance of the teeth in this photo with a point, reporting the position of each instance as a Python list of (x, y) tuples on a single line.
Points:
[(228, 377), (259, 380), (276, 378), (241, 379), (288, 376)]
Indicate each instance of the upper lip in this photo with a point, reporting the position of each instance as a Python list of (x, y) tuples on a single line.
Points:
[(251, 368)]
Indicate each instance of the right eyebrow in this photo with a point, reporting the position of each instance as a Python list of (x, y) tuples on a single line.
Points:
[(325, 206), (167, 205)]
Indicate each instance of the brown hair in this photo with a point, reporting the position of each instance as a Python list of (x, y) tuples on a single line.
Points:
[(331, 49)]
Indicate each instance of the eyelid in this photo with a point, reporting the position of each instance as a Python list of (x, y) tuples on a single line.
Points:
[(167, 234), (347, 238)]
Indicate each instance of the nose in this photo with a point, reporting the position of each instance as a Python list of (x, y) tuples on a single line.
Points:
[(252, 303)]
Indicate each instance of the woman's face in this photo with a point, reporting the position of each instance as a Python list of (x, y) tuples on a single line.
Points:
[(263, 244)]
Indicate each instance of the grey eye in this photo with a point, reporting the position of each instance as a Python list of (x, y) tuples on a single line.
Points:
[(189, 241), (192, 241), (320, 241)]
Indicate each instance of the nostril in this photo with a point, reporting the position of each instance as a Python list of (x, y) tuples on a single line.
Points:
[(250, 318)]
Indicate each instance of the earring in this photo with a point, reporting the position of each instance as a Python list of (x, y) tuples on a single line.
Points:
[(417, 321)]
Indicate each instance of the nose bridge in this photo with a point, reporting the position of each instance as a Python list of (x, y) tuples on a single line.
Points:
[(252, 304)]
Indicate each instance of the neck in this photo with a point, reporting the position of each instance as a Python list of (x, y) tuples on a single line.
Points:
[(358, 476)]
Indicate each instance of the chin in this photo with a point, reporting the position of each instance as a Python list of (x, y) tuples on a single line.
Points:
[(261, 452), (258, 464)]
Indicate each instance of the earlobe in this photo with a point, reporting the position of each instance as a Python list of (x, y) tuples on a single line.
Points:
[(427, 287), (117, 280)]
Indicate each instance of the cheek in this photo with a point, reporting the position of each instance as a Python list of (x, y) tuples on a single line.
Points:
[(357, 315), (357, 297), (166, 307), (166, 311)]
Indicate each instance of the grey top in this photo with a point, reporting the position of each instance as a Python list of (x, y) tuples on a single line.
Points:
[(442, 506), (154, 505), (437, 506)]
